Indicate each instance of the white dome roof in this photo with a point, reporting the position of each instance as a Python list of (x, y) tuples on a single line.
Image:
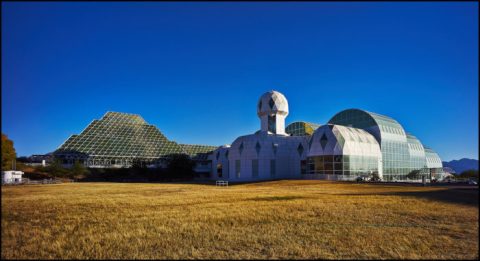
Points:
[(272, 102)]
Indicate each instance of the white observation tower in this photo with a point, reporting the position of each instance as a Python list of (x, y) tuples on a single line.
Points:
[(272, 109)]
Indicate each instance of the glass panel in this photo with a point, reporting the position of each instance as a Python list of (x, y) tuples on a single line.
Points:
[(272, 126), (303, 167), (237, 168), (255, 168)]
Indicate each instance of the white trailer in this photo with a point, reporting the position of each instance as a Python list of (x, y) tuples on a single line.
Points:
[(12, 177)]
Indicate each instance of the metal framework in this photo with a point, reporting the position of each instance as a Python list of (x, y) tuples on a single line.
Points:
[(301, 128), (401, 152), (120, 139)]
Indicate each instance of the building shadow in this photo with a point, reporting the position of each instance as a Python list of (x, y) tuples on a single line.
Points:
[(465, 196)]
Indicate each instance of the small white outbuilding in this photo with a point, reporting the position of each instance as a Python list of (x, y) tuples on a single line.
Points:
[(12, 177)]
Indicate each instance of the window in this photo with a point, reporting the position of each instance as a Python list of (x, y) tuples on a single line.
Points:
[(274, 147), (257, 148), (300, 149), (323, 141), (219, 170), (255, 168), (237, 168), (273, 169), (271, 102), (303, 167), (272, 123)]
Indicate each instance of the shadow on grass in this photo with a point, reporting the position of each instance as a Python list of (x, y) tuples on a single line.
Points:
[(465, 196), (275, 198), (230, 183)]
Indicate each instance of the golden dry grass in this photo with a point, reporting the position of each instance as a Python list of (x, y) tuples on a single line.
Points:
[(279, 219)]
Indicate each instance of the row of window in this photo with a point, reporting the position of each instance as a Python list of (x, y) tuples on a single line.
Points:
[(122, 128), (433, 160), (343, 173), (125, 143), (118, 125), (255, 168), (317, 166), (128, 136), (396, 157), (353, 118), (121, 117), (103, 143), (118, 145), (301, 128), (393, 130), (415, 146), (354, 134), (104, 162), (258, 147), (362, 120), (328, 163)]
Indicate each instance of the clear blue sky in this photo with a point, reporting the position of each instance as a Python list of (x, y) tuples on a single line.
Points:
[(196, 70)]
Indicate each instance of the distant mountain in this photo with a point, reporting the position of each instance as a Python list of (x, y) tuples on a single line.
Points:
[(461, 165)]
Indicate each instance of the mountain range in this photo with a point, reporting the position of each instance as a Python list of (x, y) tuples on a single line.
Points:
[(461, 165)]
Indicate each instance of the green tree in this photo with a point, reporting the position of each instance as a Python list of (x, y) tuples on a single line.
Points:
[(138, 168), (180, 166), (414, 174), (22, 159), (138, 163), (79, 171), (471, 173), (56, 168), (8, 153)]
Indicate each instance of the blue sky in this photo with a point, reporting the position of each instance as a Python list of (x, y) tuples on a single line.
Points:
[(196, 70)]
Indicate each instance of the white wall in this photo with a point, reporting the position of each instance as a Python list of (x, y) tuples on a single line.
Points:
[(11, 176), (287, 158)]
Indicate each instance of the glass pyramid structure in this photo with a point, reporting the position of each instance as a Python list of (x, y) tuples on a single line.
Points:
[(119, 138)]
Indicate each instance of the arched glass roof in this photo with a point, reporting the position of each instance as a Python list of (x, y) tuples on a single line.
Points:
[(364, 120), (341, 140), (301, 128), (432, 158), (389, 134)]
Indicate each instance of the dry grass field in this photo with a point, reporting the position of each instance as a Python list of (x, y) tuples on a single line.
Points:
[(279, 219)]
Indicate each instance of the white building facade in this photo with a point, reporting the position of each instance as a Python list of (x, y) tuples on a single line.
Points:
[(12, 177), (270, 153), (343, 153), (354, 143)]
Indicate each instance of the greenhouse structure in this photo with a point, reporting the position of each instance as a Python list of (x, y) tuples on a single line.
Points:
[(353, 144), (119, 139)]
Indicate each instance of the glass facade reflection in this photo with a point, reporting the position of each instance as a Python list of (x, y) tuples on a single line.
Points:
[(343, 165), (401, 153), (353, 144), (434, 164), (344, 152), (301, 128), (417, 155)]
